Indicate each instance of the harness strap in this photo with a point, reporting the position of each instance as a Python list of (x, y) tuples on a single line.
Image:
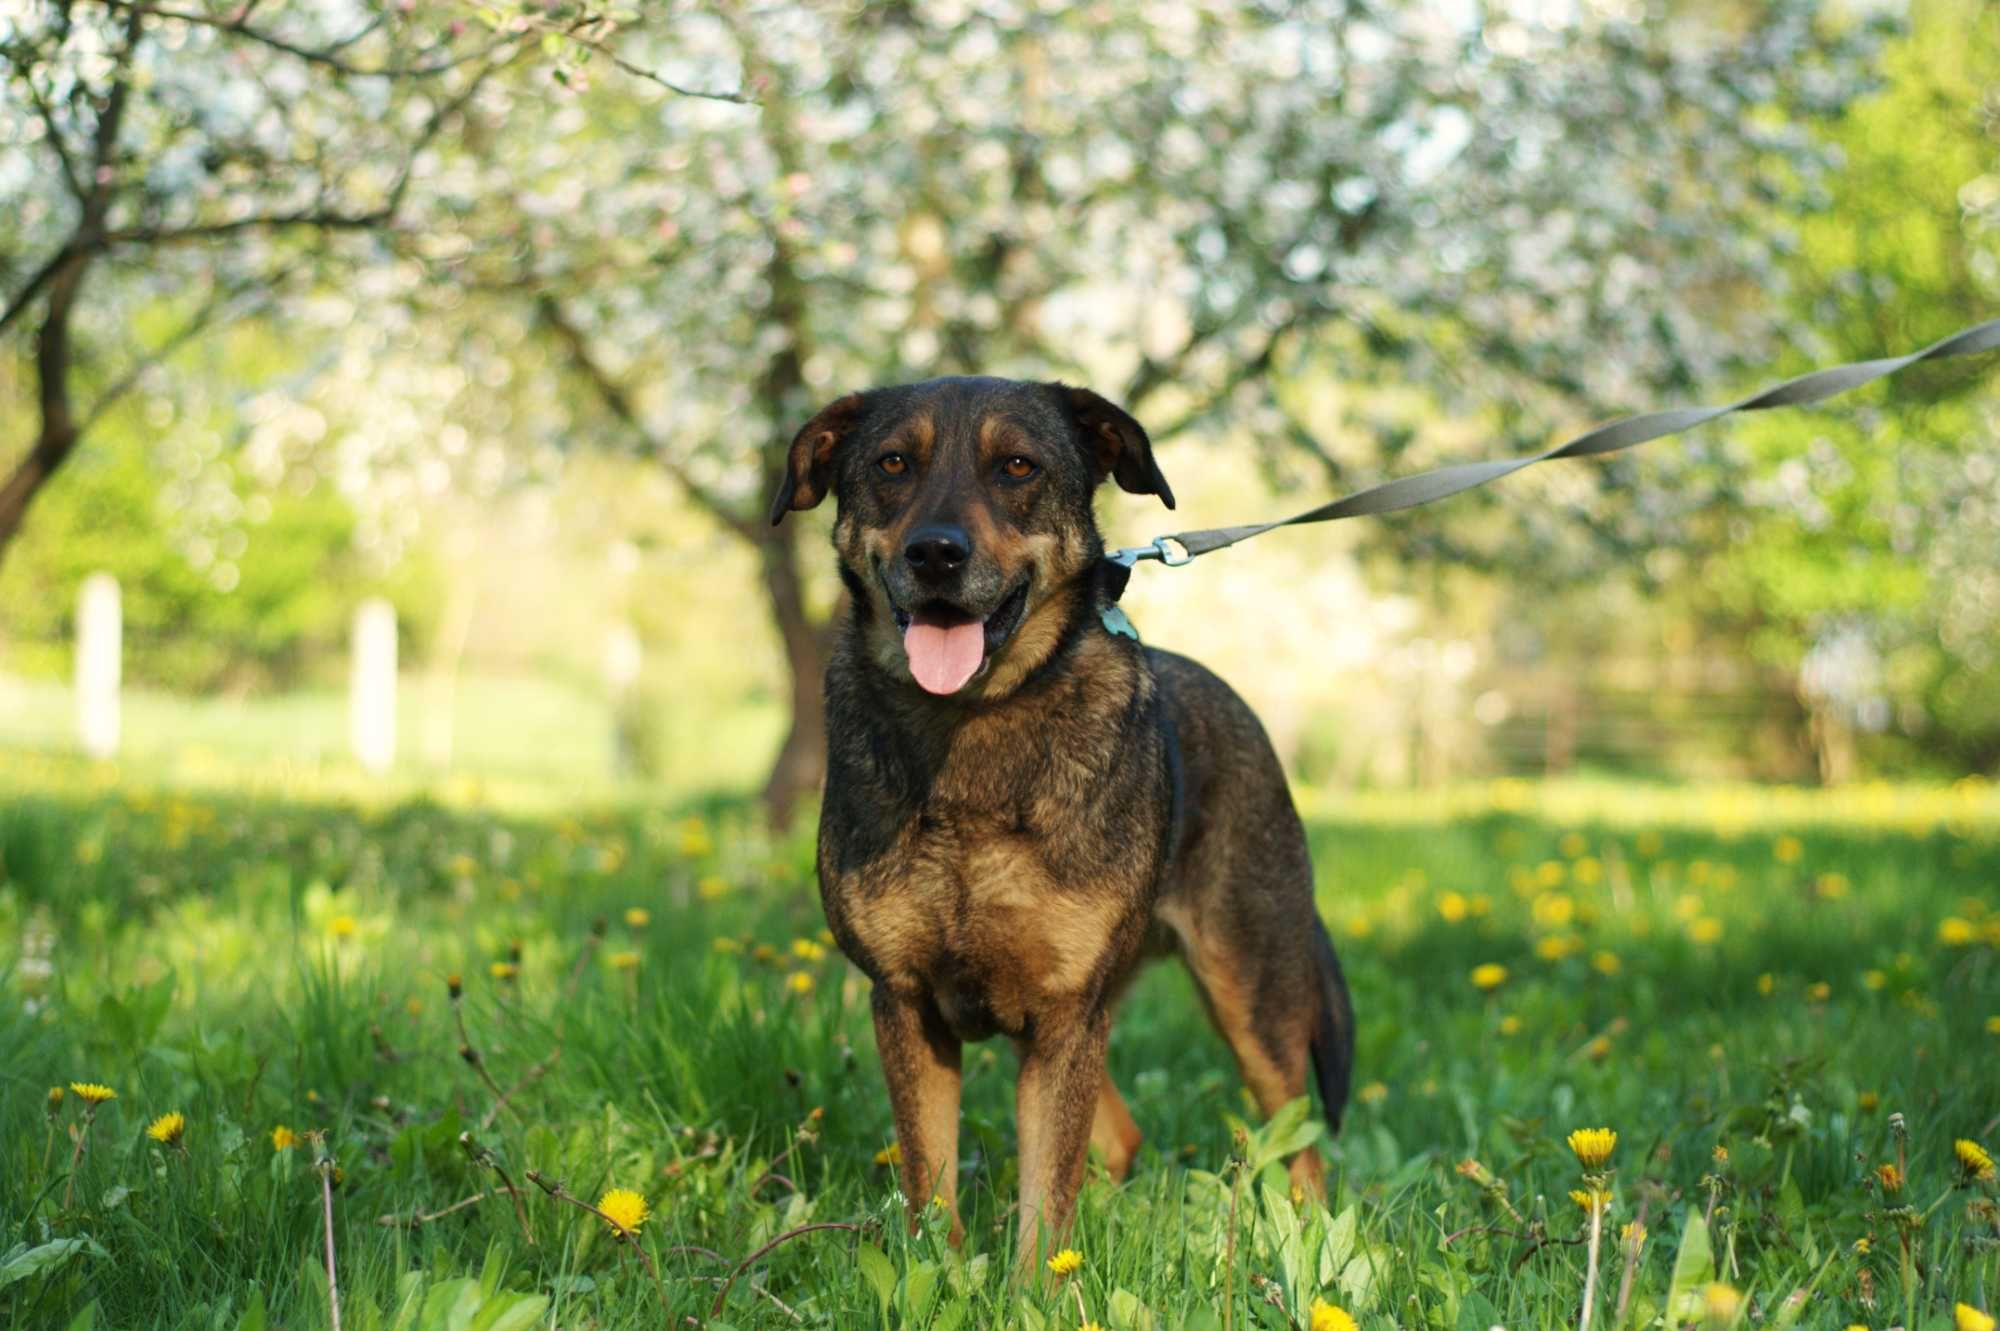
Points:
[(1427, 486)]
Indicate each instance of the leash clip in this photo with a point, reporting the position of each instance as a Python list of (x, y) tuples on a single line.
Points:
[(1164, 548)]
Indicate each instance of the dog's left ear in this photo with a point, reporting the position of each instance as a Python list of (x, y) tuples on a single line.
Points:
[(1117, 444), (809, 463)]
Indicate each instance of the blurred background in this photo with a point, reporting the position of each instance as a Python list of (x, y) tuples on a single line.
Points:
[(497, 318)]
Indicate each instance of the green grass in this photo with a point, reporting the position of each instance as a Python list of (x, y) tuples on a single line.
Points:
[(261, 961), (527, 738)]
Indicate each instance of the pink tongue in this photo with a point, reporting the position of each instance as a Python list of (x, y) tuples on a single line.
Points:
[(943, 657)]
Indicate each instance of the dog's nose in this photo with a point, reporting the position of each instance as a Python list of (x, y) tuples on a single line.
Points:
[(938, 550)]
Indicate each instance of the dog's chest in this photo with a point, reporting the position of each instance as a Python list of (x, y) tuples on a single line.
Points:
[(976, 912)]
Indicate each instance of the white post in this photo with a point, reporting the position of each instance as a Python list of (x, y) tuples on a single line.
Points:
[(371, 712), (99, 648), (624, 658)]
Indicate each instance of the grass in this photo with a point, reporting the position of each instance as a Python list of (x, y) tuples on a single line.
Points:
[(1748, 987), (519, 734)]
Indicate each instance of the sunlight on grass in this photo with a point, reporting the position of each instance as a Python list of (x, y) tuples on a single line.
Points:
[(1751, 1030)]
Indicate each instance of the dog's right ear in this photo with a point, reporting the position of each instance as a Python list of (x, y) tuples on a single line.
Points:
[(809, 464)]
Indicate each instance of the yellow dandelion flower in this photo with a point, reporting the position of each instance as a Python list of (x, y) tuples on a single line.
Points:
[(1993, 1025), (342, 926), (1489, 976), (283, 1138), (1374, 1093), (1557, 946), (714, 887), (1831, 886), (1592, 1146), (55, 1100), (1767, 984), (1510, 1025), (1972, 1158), (92, 1093), (1874, 981), (727, 946), (1788, 850), (1863, 1244), (1067, 1262), (638, 917), (1550, 873), (1705, 929), (695, 840), (1965, 1317), (1553, 910), (624, 961), (1324, 1316), (1956, 931), (1589, 871), (626, 1208), (1867, 1102), (1090, 1326), (1890, 1177), (1720, 1154), (764, 952), (167, 1129), (1818, 991), (805, 949), (892, 1154), (1453, 907), (1606, 963), (1858, 1326), (1572, 845), (799, 982), (1586, 1199), (1633, 1235), (503, 970), (1721, 1302)]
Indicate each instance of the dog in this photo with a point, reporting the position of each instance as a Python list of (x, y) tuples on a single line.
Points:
[(1023, 805)]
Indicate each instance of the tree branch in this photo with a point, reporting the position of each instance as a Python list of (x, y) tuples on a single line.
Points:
[(186, 333), (33, 287), (619, 403), (327, 56)]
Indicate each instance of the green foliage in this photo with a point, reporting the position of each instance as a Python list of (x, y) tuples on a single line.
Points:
[(1770, 974), (262, 600)]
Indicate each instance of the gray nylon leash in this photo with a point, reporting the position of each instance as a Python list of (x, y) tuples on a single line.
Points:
[(1427, 486)]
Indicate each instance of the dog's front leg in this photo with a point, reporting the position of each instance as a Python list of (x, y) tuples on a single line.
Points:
[(1055, 1101), (920, 1061)]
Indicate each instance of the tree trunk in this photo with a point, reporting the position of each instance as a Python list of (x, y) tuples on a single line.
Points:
[(58, 431), (800, 766)]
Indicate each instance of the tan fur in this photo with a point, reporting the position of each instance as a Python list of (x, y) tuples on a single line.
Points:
[(1112, 1131)]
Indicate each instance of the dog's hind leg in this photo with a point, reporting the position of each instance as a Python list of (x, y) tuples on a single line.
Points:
[(1269, 1023), (1113, 1132), (921, 1063)]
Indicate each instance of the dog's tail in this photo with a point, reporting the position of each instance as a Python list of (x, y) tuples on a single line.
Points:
[(1333, 1034)]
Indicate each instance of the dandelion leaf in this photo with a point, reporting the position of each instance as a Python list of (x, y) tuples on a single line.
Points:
[(1694, 1267), (22, 1262), (881, 1276)]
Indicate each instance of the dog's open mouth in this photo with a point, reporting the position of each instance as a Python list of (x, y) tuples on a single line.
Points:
[(947, 645)]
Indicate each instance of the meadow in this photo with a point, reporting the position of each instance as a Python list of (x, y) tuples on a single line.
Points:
[(429, 1045)]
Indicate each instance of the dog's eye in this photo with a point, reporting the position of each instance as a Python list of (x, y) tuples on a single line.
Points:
[(1018, 468), (893, 464)]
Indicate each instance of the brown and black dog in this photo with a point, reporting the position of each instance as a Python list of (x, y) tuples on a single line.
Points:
[(1022, 805)]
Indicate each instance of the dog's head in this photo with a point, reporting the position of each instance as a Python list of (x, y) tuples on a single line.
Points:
[(965, 530)]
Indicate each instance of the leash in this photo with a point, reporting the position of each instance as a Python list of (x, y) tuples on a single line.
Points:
[(1428, 486)]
